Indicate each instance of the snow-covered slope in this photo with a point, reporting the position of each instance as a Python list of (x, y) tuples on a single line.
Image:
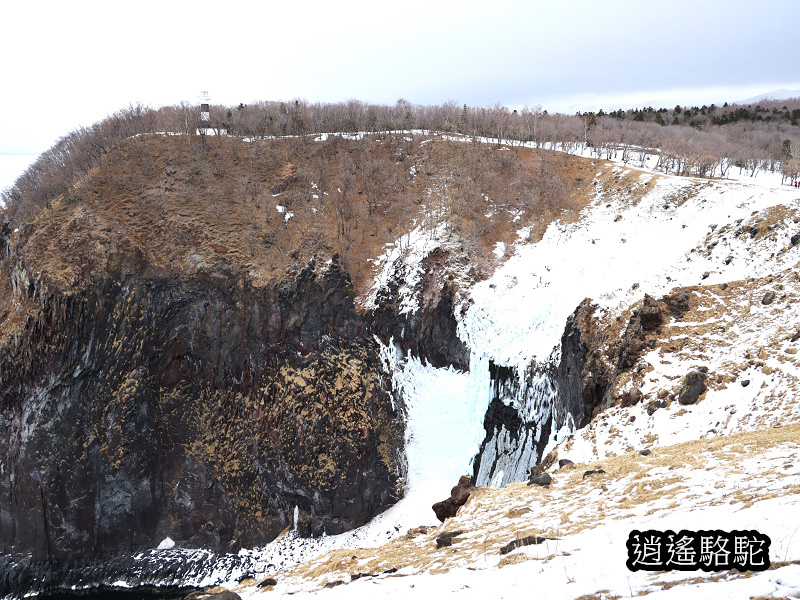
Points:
[(747, 481)]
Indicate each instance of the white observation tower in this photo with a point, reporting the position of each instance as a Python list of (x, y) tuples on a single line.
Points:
[(205, 115)]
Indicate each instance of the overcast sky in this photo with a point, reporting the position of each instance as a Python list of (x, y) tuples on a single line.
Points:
[(66, 64)]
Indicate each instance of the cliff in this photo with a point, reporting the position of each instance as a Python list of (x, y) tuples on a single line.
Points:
[(188, 349), (154, 384)]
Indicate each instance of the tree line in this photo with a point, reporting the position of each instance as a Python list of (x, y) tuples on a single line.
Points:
[(701, 141)]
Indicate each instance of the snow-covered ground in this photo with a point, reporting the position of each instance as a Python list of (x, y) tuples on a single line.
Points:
[(745, 482)]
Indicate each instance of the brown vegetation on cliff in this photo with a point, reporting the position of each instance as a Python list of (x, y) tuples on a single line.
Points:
[(163, 205)]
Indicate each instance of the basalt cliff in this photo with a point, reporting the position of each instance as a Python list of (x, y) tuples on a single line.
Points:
[(184, 358)]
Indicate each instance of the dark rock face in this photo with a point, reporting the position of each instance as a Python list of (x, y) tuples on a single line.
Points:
[(429, 332), (200, 408), (513, 442), (650, 315), (582, 376), (570, 389), (156, 574)]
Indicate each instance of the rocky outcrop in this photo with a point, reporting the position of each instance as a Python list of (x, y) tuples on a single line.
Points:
[(458, 497), (517, 423), (582, 375), (429, 332), (200, 408), (595, 354)]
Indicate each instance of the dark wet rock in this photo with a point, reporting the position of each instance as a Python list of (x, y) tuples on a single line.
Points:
[(745, 382), (564, 462), (795, 239), (768, 298), (164, 574), (645, 452), (723, 286), (694, 385), (267, 582), (458, 497), (542, 479), (530, 540), (507, 433)]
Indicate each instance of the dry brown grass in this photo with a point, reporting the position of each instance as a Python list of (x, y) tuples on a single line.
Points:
[(631, 485), (162, 205)]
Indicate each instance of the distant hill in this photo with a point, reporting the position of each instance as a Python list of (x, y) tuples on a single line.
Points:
[(776, 95)]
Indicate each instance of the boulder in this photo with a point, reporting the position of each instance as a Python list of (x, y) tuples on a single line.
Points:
[(226, 595), (694, 384), (458, 497), (677, 302), (632, 397), (446, 539), (542, 479)]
